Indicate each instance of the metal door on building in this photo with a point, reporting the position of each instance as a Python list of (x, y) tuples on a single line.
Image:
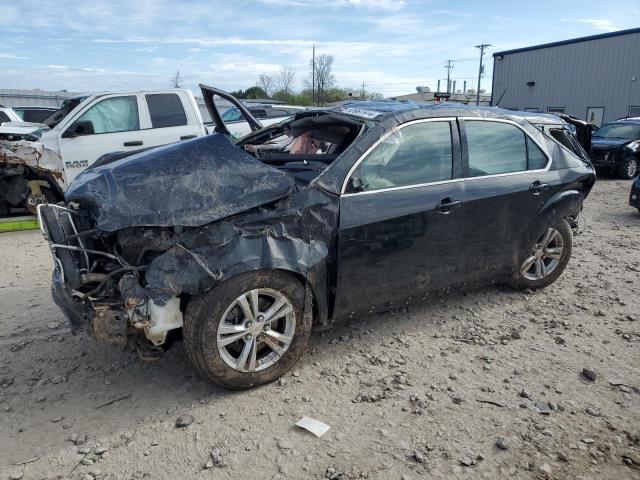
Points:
[(595, 115)]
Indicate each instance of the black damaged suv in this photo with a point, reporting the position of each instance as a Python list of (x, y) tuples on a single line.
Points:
[(245, 244), (615, 146)]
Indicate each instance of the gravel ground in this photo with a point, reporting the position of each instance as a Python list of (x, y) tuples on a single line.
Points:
[(485, 384)]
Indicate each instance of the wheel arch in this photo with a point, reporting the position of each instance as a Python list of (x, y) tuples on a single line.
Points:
[(563, 204), (313, 281)]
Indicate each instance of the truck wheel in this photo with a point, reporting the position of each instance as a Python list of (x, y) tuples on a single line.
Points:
[(58, 233), (547, 259), (627, 168), (249, 330)]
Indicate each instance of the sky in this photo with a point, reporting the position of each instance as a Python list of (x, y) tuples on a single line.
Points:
[(390, 45)]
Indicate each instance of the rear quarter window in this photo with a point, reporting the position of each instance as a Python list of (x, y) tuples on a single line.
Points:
[(166, 110), (4, 117)]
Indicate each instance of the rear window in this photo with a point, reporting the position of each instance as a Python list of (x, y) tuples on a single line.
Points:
[(166, 110), (36, 116)]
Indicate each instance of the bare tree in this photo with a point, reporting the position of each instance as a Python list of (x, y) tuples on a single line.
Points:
[(266, 83), (286, 79), (321, 73), (176, 80)]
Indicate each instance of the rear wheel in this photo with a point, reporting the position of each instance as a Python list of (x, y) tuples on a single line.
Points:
[(547, 258), (249, 330), (627, 168)]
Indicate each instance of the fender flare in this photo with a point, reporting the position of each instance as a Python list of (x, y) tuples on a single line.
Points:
[(314, 281), (565, 204)]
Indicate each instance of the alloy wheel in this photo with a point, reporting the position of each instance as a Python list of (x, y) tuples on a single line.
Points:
[(545, 256), (632, 168), (256, 330)]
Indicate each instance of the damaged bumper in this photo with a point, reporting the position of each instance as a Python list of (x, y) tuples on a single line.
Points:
[(110, 318)]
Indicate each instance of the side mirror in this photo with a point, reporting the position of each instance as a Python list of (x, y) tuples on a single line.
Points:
[(78, 129)]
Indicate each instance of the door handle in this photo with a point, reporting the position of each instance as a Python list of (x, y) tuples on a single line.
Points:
[(537, 187), (187, 137), (448, 204), (133, 143)]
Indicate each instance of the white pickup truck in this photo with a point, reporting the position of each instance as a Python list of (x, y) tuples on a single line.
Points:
[(39, 161)]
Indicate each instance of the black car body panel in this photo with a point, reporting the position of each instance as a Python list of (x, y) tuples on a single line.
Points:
[(186, 217), (606, 152), (634, 196)]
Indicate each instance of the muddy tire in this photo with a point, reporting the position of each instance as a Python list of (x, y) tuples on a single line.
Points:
[(627, 168), (547, 258), (58, 233), (249, 330)]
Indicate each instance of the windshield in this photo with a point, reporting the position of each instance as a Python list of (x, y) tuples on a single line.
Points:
[(232, 114), (64, 110), (624, 131)]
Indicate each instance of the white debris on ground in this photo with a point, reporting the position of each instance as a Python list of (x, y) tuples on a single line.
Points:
[(492, 383)]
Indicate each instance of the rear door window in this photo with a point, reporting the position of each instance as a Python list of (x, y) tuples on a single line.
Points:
[(166, 110), (416, 154), (495, 148)]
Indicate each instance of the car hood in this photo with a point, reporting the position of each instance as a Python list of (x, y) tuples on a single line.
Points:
[(608, 143), (26, 130), (190, 183)]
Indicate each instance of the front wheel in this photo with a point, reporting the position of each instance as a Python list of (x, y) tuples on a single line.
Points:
[(627, 168), (547, 258), (249, 330)]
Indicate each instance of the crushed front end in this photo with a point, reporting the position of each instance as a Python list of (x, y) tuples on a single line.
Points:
[(97, 288), (140, 236)]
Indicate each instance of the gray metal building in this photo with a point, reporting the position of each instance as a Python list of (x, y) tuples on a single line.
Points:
[(596, 78)]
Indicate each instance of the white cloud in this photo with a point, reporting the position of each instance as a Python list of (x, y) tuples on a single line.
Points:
[(366, 4), (11, 56), (597, 23), (453, 13)]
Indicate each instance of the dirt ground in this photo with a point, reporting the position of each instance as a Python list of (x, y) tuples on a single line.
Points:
[(426, 393)]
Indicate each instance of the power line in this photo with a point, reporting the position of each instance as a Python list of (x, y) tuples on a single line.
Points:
[(449, 67)]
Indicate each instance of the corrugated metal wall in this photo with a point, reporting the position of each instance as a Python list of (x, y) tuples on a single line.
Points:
[(602, 72), (31, 98)]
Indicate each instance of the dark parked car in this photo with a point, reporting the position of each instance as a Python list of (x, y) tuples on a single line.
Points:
[(615, 146), (338, 212), (634, 196), (35, 114)]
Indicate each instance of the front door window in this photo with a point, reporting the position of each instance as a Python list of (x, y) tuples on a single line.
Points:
[(116, 114)]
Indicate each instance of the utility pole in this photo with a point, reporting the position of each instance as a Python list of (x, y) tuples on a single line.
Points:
[(449, 67), (482, 46), (313, 75), (362, 96)]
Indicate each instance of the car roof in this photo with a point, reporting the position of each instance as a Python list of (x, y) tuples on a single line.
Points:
[(35, 107), (632, 120), (381, 110)]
